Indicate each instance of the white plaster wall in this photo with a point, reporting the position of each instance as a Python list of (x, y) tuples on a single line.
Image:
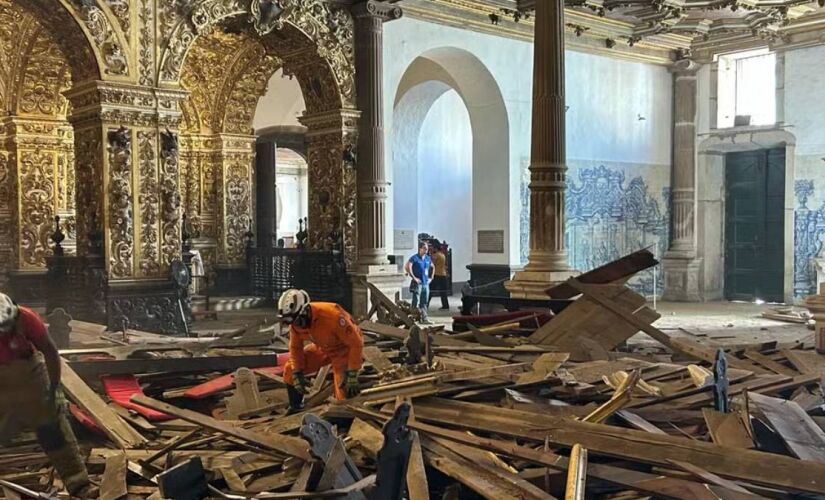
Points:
[(606, 97), (510, 63), (282, 103), (445, 177), (804, 113)]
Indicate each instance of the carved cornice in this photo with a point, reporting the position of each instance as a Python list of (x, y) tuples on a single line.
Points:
[(475, 15), (647, 31)]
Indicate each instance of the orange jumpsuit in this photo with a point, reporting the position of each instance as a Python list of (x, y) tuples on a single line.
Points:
[(334, 339)]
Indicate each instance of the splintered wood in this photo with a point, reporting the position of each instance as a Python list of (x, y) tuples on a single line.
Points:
[(571, 407)]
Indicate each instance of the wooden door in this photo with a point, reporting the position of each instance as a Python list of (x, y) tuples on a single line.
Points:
[(754, 225)]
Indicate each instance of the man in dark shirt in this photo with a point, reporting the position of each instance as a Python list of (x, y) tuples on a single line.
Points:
[(420, 269)]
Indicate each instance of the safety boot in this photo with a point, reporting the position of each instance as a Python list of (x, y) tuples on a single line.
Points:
[(296, 400)]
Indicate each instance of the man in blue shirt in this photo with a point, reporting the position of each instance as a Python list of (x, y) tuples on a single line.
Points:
[(420, 268)]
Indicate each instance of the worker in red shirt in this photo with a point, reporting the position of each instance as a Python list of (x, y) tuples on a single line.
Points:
[(333, 338), (30, 394)]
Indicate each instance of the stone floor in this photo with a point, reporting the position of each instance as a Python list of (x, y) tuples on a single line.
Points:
[(723, 323)]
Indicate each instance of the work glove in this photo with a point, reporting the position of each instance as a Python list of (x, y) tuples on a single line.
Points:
[(351, 384), (56, 397), (299, 382)]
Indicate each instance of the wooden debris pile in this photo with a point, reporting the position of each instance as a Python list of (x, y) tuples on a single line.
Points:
[(563, 409)]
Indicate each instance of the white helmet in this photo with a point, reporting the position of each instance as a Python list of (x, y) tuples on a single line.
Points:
[(8, 313), (292, 304)]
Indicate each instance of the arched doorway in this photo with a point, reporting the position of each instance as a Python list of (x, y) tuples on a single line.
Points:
[(450, 168), (41, 57), (226, 70)]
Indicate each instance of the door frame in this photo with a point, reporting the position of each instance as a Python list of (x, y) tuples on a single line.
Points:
[(711, 192)]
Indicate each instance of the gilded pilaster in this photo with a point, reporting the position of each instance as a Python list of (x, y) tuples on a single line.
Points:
[(127, 179), (332, 181)]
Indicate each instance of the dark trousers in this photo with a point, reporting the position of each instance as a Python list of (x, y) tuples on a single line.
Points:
[(439, 287)]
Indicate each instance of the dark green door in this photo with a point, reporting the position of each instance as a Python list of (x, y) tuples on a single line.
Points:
[(754, 225)]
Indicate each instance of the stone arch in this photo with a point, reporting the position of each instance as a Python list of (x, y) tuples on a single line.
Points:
[(91, 37), (37, 174), (226, 65), (316, 38), (428, 78)]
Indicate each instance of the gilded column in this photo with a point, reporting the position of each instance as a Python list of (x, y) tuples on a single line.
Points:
[(680, 265), (547, 261), (373, 265)]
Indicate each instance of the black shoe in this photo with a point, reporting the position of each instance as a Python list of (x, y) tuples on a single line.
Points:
[(443, 308)]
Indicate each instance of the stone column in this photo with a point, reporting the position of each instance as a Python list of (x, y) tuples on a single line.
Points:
[(680, 265), (265, 190), (372, 263), (547, 261)]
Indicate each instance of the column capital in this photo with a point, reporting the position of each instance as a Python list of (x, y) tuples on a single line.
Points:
[(375, 9), (685, 67)]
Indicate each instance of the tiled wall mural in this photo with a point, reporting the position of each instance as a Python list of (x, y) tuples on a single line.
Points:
[(809, 232), (611, 214)]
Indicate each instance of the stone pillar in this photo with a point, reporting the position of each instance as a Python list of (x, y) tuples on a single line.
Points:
[(547, 261), (128, 196), (265, 189), (680, 265), (372, 263)]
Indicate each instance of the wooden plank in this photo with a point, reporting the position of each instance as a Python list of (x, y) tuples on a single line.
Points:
[(494, 485), (113, 484), (90, 369), (638, 422), (711, 478), (727, 429), (684, 346), (377, 295), (752, 466), (392, 332), (121, 433), (270, 441), (417, 485), (770, 364), (616, 271), (576, 474), (799, 432), (378, 359), (806, 361), (233, 480), (628, 479)]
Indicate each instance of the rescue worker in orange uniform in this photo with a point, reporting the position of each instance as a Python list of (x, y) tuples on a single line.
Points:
[(333, 338), (30, 394)]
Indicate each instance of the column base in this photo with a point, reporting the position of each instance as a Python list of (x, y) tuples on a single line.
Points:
[(149, 305), (816, 304), (534, 284), (385, 277), (682, 278)]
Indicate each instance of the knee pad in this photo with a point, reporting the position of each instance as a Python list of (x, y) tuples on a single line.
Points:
[(50, 436)]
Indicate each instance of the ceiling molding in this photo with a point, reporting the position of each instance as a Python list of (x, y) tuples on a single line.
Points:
[(653, 31)]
